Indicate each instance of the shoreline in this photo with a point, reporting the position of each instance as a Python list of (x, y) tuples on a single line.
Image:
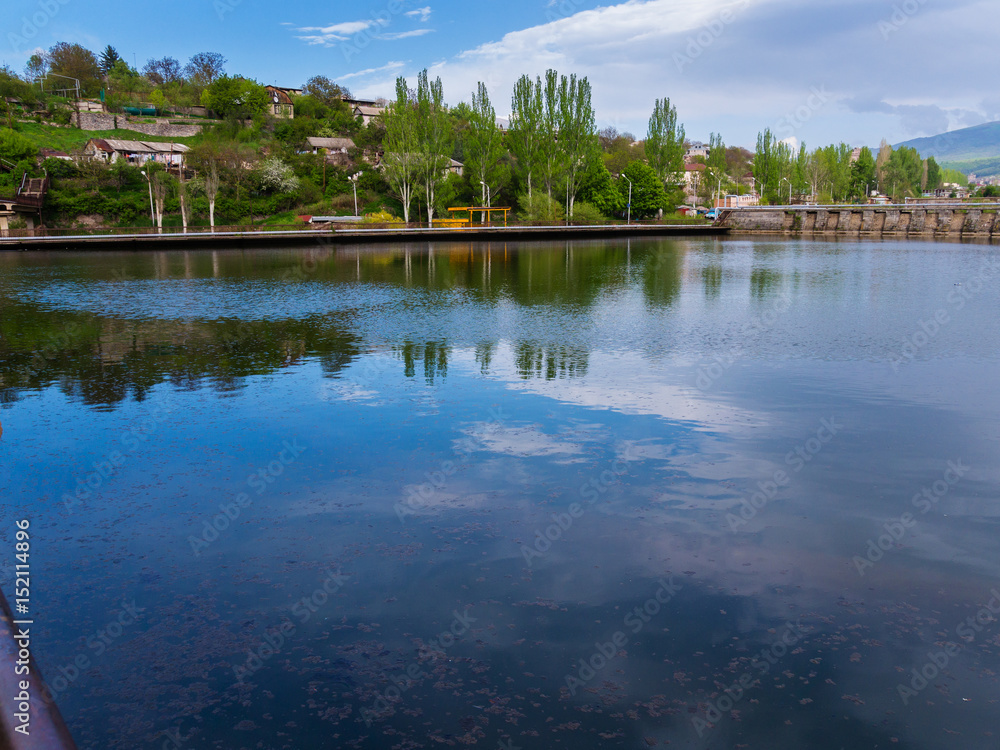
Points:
[(138, 242)]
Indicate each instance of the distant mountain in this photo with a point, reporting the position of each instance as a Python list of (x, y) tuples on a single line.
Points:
[(969, 147)]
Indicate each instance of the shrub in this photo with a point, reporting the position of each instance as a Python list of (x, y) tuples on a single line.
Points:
[(381, 217), (585, 213), (540, 208)]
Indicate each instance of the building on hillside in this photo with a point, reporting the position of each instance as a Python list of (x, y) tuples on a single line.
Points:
[(337, 150), (366, 109), (51, 153), (281, 101), (453, 167), (135, 152), (696, 150)]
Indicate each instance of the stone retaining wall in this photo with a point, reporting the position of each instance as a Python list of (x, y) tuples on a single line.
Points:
[(105, 121), (913, 221)]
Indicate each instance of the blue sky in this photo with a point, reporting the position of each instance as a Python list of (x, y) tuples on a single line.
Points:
[(817, 71)]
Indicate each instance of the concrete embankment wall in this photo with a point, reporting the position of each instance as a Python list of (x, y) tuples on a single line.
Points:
[(982, 221)]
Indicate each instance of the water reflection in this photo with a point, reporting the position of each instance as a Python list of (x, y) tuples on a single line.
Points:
[(533, 436)]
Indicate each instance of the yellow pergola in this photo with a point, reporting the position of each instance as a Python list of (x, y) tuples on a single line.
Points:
[(488, 210)]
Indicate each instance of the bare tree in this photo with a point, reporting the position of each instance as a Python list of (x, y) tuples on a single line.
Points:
[(211, 191), (161, 187)]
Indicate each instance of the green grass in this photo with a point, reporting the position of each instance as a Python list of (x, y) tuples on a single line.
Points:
[(71, 139)]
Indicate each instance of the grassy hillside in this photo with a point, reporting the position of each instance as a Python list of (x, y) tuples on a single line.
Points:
[(978, 167), (71, 139), (960, 146)]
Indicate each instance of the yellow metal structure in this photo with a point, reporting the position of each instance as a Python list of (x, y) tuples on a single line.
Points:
[(488, 210)]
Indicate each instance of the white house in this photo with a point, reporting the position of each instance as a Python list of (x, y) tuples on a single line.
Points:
[(135, 152)]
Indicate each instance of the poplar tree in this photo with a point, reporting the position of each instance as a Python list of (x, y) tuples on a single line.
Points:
[(525, 136), (484, 149), (577, 137), (665, 142), (434, 137), (401, 152)]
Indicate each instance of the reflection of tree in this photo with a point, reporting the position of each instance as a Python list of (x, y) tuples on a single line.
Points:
[(662, 277), (763, 281), (107, 361), (433, 355), (484, 356), (711, 276), (550, 362)]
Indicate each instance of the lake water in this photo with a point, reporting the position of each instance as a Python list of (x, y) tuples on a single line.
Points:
[(704, 493)]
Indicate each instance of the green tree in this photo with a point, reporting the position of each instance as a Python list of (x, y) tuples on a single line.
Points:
[(484, 150), (648, 195), (525, 135), (767, 166), (434, 138), (665, 143), (236, 97), (552, 155), (904, 173), (14, 147), (862, 175), (933, 172), (599, 189), (36, 67), (74, 61), (577, 138), (204, 68), (401, 146), (325, 90), (164, 70), (108, 59)]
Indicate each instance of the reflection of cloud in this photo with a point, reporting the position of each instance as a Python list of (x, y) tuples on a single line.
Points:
[(644, 392), (345, 390), (522, 441)]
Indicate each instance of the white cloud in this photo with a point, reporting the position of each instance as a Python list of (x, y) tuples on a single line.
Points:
[(736, 67), (394, 65), (423, 13), (404, 34), (329, 35)]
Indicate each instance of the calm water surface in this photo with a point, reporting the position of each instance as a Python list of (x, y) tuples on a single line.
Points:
[(705, 494)]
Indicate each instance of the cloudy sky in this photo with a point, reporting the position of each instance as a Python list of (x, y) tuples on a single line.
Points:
[(817, 71)]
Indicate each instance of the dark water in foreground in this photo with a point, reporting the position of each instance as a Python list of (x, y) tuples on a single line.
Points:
[(703, 493)]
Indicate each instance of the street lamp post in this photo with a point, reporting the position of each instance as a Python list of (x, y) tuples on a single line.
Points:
[(354, 183), (150, 185), (628, 219), (785, 179), (718, 193)]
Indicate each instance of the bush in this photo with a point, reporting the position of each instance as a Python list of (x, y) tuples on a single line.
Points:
[(540, 208), (585, 213), (381, 217), (59, 168)]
